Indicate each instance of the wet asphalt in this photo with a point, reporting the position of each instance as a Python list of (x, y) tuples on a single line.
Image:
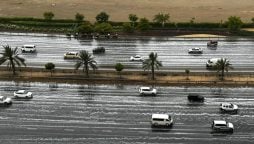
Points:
[(104, 114)]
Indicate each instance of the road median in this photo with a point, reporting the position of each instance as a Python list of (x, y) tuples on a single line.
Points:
[(127, 77)]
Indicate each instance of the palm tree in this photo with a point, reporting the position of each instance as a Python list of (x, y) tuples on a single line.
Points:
[(161, 18), (86, 60), (12, 56), (152, 63), (223, 65)]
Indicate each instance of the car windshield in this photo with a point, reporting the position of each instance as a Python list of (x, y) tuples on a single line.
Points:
[(147, 89), (3, 98), (22, 92)]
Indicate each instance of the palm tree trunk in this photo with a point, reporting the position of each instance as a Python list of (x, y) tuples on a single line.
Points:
[(87, 75), (152, 72), (222, 74), (13, 67)]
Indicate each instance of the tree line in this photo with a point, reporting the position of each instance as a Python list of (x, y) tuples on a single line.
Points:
[(102, 25)]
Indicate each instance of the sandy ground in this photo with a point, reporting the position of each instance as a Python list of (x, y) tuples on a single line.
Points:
[(179, 10)]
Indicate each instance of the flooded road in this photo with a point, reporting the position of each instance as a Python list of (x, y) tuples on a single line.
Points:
[(173, 52), (105, 114)]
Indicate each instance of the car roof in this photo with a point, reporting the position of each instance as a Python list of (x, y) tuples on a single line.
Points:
[(21, 91), (71, 52), (220, 122), (215, 59), (137, 56), (144, 87), (161, 116), (29, 45), (224, 104)]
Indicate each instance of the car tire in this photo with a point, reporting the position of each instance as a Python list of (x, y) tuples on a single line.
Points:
[(153, 94), (5, 104)]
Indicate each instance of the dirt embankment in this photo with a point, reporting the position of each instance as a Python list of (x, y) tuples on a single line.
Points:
[(179, 10), (130, 77)]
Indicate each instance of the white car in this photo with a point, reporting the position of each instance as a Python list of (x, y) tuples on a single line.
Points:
[(28, 48), (212, 62), (71, 55), (161, 120), (136, 58), (222, 126), (228, 107), (5, 100), (147, 91), (23, 94), (195, 51)]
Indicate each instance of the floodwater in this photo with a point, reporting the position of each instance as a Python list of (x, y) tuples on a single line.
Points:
[(104, 114)]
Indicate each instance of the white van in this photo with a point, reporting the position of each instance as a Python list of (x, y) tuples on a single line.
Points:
[(161, 120), (28, 48), (212, 62)]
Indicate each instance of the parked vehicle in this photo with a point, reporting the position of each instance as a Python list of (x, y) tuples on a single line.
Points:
[(228, 107), (222, 126), (5, 101), (195, 51), (136, 58), (212, 43), (99, 50), (71, 55), (212, 62), (28, 48), (161, 120), (195, 98), (147, 91), (23, 94)]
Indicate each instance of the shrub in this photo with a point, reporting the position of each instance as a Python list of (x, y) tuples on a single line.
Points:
[(127, 27), (79, 17), (48, 15), (103, 28)]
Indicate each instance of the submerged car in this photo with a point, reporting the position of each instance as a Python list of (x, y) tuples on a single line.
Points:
[(212, 43), (222, 126), (5, 101), (228, 107), (23, 94), (71, 55), (161, 120), (195, 51), (195, 98), (136, 58), (28, 48), (212, 62), (147, 91)]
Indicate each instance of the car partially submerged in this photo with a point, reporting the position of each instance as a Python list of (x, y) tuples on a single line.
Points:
[(212, 43), (195, 51), (222, 126), (28, 48), (5, 101), (161, 120), (136, 58), (228, 107), (211, 63), (147, 91), (71, 55), (22, 94), (195, 98)]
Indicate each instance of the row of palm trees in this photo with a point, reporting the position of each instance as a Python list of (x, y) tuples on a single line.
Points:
[(86, 60)]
